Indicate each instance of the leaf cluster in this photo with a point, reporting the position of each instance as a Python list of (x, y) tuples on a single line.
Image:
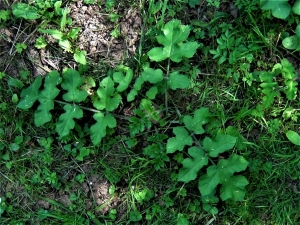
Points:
[(205, 151), (107, 99)]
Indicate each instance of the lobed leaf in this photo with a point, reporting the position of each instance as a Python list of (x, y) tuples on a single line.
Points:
[(181, 139), (109, 99), (30, 94), (71, 83), (234, 188), (221, 173), (195, 123), (98, 130), (191, 166), (173, 34), (46, 98), (122, 80), (280, 8), (66, 120), (222, 143), (153, 76), (178, 81)]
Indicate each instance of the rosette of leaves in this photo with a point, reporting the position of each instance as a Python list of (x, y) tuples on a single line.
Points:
[(220, 173)]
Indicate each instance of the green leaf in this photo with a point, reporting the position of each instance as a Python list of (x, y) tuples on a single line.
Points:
[(193, 3), (288, 70), (234, 188), (296, 7), (71, 83), (293, 137), (98, 130), (178, 81), (211, 209), (269, 88), (14, 82), (46, 97), (30, 94), (181, 139), (280, 8), (191, 166), (131, 95), (221, 173), (136, 87), (152, 92), (66, 45), (66, 120), (220, 144), (297, 30), (14, 147), (109, 99), (291, 89), (40, 43), (79, 57), (289, 74), (122, 80), (73, 34), (195, 123), (183, 221), (240, 143), (153, 76), (82, 153), (292, 42), (135, 216), (173, 34), (22, 10), (56, 34)]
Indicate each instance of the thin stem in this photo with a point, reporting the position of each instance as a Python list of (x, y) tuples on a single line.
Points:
[(92, 110), (166, 86)]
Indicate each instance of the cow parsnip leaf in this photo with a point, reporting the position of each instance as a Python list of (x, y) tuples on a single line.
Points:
[(191, 166), (46, 97), (296, 7), (153, 76), (122, 80), (234, 188), (221, 173), (30, 94), (66, 120), (71, 83), (181, 139), (172, 38), (194, 124), (222, 143), (136, 87), (280, 8), (98, 130), (178, 81), (109, 99)]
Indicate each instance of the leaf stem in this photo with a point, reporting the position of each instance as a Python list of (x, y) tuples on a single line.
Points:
[(166, 85), (93, 110)]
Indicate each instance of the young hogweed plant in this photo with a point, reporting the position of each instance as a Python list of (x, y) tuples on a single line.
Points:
[(205, 153), (107, 99)]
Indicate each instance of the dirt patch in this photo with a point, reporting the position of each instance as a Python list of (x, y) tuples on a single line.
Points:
[(95, 36)]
